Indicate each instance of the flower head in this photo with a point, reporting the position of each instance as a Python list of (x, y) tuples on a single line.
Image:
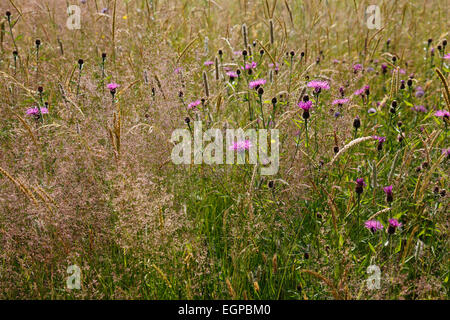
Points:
[(372, 111), (318, 85), (389, 195), (419, 109), (305, 105), (357, 67), (208, 63), (112, 87), (380, 139), (194, 104), (393, 225), (232, 74), (35, 111), (419, 92), (442, 113), (340, 101), (373, 225), (256, 83), (241, 145), (447, 56), (360, 184), (249, 66)]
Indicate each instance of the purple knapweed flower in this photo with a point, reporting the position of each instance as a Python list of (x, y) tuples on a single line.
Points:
[(419, 109), (318, 85), (232, 74), (380, 142), (447, 56), (275, 67), (256, 83), (241, 145), (393, 225), (208, 63), (193, 104), (419, 92), (372, 111), (373, 225), (357, 67), (388, 191), (35, 111), (340, 101), (447, 152), (442, 113), (360, 184), (305, 105), (249, 66)]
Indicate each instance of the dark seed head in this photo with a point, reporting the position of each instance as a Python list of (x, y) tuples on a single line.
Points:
[(394, 104), (305, 98), (180, 94), (220, 52), (306, 255), (40, 89), (442, 193), (336, 149), (356, 123), (261, 52), (38, 43), (409, 82), (439, 47), (394, 58), (15, 53), (292, 53), (80, 62), (305, 114), (302, 54), (444, 42), (271, 184), (187, 120), (103, 55), (391, 229), (430, 41), (8, 14), (274, 100), (244, 53), (260, 91)]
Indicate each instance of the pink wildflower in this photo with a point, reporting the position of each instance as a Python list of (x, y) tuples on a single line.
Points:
[(256, 83), (373, 225)]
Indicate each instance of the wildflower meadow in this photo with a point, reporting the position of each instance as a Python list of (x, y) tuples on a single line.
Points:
[(204, 150)]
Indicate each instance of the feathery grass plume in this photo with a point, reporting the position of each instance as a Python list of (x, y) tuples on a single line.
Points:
[(244, 35), (330, 284), (374, 174), (162, 274), (376, 214), (230, 289), (446, 91), (394, 87), (348, 146), (19, 185), (205, 83), (272, 39), (274, 264)]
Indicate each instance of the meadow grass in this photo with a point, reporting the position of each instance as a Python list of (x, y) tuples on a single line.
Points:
[(91, 182)]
